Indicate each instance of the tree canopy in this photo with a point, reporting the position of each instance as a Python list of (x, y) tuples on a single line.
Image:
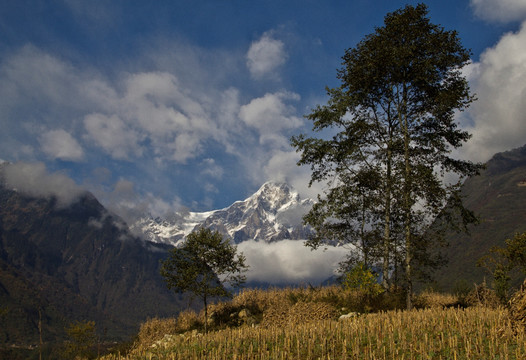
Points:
[(393, 120), (203, 265)]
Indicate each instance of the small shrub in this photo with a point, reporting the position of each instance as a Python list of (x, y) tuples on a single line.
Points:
[(482, 295), (82, 340), (394, 299), (461, 290), (501, 282), (298, 296), (154, 329), (361, 278), (186, 321)]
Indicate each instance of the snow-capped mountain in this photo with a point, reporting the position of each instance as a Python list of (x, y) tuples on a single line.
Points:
[(273, 213)]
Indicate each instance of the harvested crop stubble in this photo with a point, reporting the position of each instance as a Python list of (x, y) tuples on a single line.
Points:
[(517, 309), (472, 333), (300, 312)]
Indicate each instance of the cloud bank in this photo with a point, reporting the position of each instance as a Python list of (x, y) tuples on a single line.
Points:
[(497, 118), (289, 262), (35, 180)]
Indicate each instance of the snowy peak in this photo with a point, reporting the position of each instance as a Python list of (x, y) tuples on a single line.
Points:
[(274, 195), (273, 213)]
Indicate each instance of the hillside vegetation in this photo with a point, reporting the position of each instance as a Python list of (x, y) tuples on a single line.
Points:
[(498, 197), (70, 264), (305, 324)]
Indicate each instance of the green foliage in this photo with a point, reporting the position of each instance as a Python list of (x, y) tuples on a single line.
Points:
[(203, 264), (461, 289), (502, 260), (502, 283), (82, 340), (393, 116), (363, 279)]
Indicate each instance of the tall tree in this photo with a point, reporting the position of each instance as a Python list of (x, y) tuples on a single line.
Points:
[(401, 87), (203, 265)]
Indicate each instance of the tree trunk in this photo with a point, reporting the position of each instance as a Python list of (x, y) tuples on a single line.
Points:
[(365, 249), (206, 313), (407, 204), (387, 219)]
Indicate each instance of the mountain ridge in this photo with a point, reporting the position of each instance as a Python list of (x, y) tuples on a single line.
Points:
[(498, 197), (74, 263), (272, 213)]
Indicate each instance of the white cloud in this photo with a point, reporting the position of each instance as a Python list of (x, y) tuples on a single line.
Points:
[(270, 115), (34, 180), (123, 199), (59, 144), (210, 188), (130, 116), (174, 114), (282, 167), (160, 105), (289, 261), (40, 81), (500, 10), (265, 55), (499, 81), (270, 119), (113, 135)]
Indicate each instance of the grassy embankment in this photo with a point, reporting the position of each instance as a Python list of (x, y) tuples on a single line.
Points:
[(303, 324)]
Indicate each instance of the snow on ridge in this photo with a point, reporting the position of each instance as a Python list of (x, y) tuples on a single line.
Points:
[(268, 215)]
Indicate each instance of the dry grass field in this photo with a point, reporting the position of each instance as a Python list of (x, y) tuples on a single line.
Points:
[(305, 324)]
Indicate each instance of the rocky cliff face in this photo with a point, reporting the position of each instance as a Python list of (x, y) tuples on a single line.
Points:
[(273, 213)]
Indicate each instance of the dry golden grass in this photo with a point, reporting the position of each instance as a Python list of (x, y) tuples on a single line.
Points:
[(302, 324), (432, 299), (473, 333), (517, 308), (155, 329)]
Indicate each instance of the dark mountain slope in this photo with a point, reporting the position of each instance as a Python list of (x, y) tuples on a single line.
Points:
[(498, 196), (74, 263)]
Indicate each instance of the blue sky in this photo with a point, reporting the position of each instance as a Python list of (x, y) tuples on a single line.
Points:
[(157, 105)]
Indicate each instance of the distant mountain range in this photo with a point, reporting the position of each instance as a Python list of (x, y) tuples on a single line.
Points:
[(273, 213)]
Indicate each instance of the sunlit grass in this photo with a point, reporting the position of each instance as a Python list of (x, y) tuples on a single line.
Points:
[(435, 332), (473, 333)]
